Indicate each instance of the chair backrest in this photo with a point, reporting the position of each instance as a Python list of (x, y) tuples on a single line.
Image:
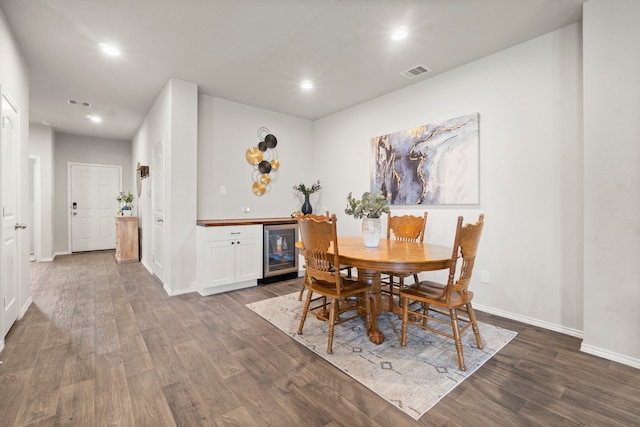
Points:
[(311, 215), (318, 233), (407, 227), (465, 247)]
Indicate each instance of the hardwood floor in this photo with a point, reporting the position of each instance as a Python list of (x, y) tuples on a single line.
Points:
[(102, 344)]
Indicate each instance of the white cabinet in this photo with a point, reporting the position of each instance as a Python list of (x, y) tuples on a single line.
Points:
[(229, 258)]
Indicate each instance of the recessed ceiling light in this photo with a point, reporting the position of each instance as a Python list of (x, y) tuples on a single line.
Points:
[(94, 119), (399, 34), (109, 49), (306, 85)]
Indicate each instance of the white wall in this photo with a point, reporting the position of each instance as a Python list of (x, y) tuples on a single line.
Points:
[(83, 149), (529, 100), (14, 81), (612, 179), (225, 131), (41, 146), (172, 120)]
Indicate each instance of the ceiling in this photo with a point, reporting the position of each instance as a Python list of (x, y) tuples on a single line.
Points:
[(254, 52)]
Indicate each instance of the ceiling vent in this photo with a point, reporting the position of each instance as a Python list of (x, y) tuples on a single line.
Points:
[(79, 103), (416, 71)]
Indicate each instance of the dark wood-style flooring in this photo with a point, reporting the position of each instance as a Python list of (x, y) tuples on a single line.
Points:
[(102, 344)]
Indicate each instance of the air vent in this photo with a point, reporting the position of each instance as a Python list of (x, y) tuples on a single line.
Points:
[(416, 71), (79, 103)]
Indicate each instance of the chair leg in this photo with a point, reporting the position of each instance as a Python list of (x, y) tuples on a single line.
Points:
[(305, 310), (456, 336), (474, 325), (304, 283), (400, 286), (333, 308), (425, 312), (405, 319)]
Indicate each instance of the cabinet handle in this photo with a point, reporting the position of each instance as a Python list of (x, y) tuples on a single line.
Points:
[(236, 232)]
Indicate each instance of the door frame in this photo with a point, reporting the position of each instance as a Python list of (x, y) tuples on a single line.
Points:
[(158, 190), (36, 227), (69, 184)]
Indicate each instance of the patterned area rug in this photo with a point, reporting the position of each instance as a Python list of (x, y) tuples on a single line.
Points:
[(413, 378)]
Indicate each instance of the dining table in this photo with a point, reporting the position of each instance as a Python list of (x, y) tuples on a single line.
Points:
[(390, 255)]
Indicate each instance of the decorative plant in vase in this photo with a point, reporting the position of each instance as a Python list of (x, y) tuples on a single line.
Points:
[(370, 207), (306, 191), (126, 203)]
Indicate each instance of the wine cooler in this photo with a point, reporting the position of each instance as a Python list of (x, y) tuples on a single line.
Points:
[(280, 260)]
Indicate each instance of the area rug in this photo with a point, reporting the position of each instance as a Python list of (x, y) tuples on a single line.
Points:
[(413, 378)]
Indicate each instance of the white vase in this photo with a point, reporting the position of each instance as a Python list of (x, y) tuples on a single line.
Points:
[(371, 230)]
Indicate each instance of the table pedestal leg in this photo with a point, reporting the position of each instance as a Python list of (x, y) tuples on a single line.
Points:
[(372, 277)]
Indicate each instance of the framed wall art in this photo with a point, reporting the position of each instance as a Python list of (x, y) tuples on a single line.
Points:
[(434, 164)]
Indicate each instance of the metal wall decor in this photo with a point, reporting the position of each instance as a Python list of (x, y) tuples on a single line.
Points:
[(264, 159)]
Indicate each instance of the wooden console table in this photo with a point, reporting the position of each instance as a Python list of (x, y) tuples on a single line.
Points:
[(127, 239)]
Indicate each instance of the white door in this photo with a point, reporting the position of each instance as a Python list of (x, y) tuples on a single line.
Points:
[(9, 153), (92, 206), (157, 207)]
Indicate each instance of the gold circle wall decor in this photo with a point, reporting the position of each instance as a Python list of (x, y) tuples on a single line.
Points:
[(264, 159)]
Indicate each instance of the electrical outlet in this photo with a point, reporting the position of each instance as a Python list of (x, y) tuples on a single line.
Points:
[(223, 190), (484, 276)]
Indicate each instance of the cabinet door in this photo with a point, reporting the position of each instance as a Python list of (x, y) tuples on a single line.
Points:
[(217, 266), (248, 259)]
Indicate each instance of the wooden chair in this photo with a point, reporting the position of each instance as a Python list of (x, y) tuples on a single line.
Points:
[(409, 228), (342, 267), (337, 294), (448, 304)]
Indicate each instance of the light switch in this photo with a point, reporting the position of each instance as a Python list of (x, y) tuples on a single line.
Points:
[(223, 189)]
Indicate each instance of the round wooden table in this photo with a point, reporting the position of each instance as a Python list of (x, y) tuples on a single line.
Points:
[(390, 255)]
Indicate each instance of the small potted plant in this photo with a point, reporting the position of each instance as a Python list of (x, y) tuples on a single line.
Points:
[(126, 203), (306, 191), (370, 207)]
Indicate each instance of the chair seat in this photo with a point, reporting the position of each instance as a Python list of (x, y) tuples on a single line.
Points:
[(435, 294), (328, 289)]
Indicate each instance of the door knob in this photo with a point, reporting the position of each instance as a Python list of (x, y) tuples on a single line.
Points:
[(21, 226)]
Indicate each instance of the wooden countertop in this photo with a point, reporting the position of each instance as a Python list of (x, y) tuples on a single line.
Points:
[(244, 221)]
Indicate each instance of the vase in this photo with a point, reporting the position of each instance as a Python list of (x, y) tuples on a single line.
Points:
[(306, 207), (371, 229)]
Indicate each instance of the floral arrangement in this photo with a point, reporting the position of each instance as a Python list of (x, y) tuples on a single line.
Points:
[(125, 200), (308, 190), (372, 205)]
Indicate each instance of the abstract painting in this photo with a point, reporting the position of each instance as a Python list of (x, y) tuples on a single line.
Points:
[(434, 164)]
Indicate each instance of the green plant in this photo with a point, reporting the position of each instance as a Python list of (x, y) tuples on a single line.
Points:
[(308, 190), (126, 199), (372, 205)]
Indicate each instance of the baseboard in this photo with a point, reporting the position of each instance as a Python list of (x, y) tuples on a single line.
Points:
[(25, 307), (55, 254), (173, 293), (531, 321), (610, 355), (205, 290)]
